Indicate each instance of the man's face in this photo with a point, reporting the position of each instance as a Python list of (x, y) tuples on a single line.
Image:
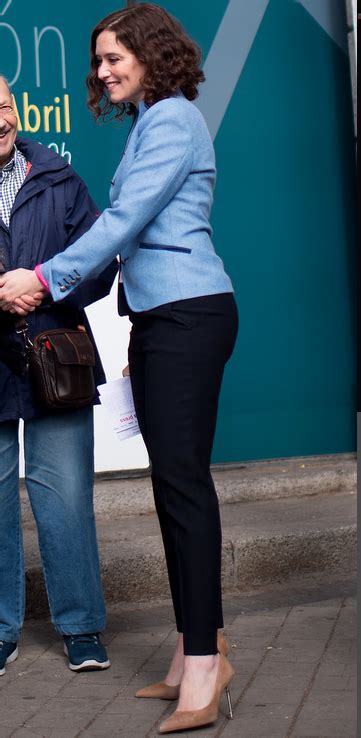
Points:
[(8, 125)]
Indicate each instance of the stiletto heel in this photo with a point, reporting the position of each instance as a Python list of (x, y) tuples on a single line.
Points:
[(188, 719), (230, 708), (163, 691)]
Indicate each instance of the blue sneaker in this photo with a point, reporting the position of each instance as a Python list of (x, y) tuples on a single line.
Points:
[(85, 652), (8, 653)]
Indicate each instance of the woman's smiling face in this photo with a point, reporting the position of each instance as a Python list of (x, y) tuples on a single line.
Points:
[(119, 70)]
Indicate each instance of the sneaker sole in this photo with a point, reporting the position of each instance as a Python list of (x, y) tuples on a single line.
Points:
[(10, 659), (89, 665)]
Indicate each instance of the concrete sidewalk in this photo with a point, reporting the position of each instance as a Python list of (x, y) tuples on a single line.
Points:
[(293, 648)]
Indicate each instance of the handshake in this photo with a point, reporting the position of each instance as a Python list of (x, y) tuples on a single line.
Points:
[(21, 291)]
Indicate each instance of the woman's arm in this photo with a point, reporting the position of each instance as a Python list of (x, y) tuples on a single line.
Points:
[(162, 162), (80, 214)]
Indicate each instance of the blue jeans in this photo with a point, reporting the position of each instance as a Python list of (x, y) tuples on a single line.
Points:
[(59, 466)]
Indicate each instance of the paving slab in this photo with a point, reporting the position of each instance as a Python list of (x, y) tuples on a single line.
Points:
[(283, 640)]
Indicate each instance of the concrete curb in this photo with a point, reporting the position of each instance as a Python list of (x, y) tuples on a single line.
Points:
[(263, 542), (132, 576), (263, 480)]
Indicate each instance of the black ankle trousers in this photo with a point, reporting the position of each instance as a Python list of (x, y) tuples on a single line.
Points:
[(177, 354)]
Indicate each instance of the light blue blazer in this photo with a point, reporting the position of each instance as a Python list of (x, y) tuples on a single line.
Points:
[(158, 219)]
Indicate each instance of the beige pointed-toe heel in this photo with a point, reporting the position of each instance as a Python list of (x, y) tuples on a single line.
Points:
[(159, 691), (187, 720), (164, 691), (222, 644)]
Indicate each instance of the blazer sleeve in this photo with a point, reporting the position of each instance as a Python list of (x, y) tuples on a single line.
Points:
[(162, 161), (80, 214)]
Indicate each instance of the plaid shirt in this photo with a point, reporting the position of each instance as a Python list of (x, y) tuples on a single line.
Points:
[(11, 179)]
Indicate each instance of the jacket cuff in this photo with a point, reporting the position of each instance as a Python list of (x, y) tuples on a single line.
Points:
[(41, 278)]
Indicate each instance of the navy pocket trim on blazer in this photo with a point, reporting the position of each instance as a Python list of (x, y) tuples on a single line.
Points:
[(158, 247)]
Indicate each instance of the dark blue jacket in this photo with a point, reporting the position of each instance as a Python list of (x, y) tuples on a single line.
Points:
[(51, 210)]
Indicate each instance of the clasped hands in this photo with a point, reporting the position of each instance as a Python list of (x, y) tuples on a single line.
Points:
[(20, 291)]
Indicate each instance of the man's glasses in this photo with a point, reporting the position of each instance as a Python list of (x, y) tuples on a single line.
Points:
[(6, 111)]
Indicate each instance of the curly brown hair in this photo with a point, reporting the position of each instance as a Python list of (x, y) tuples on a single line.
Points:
[(171, 58)]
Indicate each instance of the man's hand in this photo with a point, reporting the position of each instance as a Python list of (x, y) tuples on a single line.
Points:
[(16, 284), (26, 304)]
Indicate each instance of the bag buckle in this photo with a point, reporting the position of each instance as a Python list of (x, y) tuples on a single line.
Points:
[(22, 329)]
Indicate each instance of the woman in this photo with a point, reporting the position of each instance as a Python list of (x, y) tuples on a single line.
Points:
[(181, 305)]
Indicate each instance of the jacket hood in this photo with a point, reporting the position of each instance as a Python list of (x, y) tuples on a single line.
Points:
[(40, 156)]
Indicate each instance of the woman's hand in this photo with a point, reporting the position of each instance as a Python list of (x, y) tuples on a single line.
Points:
[(125, 371), (17, 283)]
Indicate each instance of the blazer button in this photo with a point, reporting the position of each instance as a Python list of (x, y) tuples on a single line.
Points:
[(63, 288)]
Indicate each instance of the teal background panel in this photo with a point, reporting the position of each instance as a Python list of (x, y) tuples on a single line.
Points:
[(284, 220)]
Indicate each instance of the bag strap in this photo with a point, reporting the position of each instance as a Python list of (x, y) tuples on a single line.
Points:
[(20, 324), (22, 329)]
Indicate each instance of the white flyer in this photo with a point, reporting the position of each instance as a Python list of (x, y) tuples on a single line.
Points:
[(117, 400)]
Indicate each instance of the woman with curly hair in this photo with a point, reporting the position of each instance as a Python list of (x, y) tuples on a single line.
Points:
[(184, 319)]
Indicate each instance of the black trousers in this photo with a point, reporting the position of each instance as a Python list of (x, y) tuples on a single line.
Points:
[(177, 354)]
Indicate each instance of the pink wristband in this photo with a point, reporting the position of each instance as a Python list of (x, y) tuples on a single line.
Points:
[(40, 277)]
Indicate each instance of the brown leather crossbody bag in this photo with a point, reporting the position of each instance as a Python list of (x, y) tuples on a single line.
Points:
[(60, 364)]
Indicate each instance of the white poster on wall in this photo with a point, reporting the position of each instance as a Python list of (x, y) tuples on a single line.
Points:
[(111, 334)]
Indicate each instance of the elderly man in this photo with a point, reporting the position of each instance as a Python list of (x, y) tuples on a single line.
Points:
[(44, 207)]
